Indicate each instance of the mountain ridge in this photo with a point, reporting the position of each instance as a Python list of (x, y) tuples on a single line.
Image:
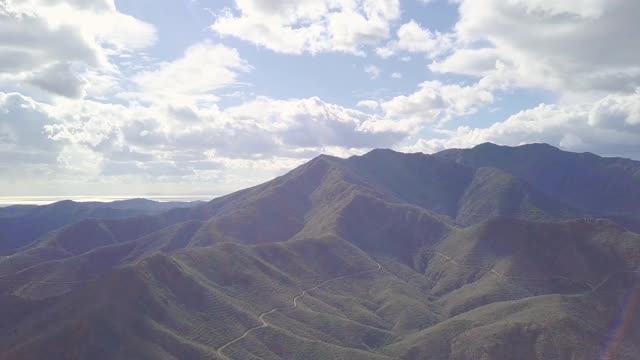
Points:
[(380, 256)]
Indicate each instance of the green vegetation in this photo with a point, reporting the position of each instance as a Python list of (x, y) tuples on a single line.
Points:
[(462, 255)]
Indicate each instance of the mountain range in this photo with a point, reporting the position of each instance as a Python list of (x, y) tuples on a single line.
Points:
[(493, 252)]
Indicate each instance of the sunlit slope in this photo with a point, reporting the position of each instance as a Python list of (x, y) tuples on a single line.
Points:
[(380, 256), (195, 302), (593, 184)]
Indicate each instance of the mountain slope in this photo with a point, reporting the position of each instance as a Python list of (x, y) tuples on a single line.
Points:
[(380, 256), (21, 225), (546, 327), (596, 185), (464, 194), (198, 301)]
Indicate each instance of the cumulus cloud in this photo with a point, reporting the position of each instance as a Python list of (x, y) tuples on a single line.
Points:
[(22, 136), (617, 112), (54, 45), (368, 104), (59, 78), (80, 160), (312, 123), (96, 5), (373, 71), (98, 21), (169, 127), (584, 46), (30, 42), (435, 101), (310, 26), (203, 68), (114, 135), (413, 38)]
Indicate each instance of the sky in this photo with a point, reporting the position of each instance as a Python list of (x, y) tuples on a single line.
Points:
[(204, 97)]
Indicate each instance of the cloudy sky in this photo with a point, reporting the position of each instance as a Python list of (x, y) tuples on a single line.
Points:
[(172, 97)]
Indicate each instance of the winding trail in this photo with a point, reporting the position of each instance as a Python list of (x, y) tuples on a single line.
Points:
[(265, 323), (261, 317)]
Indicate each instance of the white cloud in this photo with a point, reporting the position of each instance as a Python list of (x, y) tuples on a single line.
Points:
[(203, 68), (312, 123), (166, 145), (368, 104), (385, 52), (96, 5), (80, 160), (120, 139), (479, 62), (97, 20), (373, 71), (413, 38), (54, 45), (59, 78), (167, 128), (434, 101), (617, 112), (581, 47), (30, 42), (310, 26), (23, 141)]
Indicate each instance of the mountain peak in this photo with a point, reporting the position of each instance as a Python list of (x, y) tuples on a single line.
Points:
[(380, 152), (472, 239), (324, 157), (533, 146), (573, 178)]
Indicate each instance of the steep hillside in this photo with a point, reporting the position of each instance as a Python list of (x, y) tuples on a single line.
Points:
[(464, 194), (596, 185), (198, 302), (380, 256), (550, 327), (323, 298), (507, 259)]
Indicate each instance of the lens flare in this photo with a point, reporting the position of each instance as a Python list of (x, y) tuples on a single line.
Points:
[(620, 329)]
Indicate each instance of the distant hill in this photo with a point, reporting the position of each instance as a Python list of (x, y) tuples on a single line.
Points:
[(22, 224), (461, 255)]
